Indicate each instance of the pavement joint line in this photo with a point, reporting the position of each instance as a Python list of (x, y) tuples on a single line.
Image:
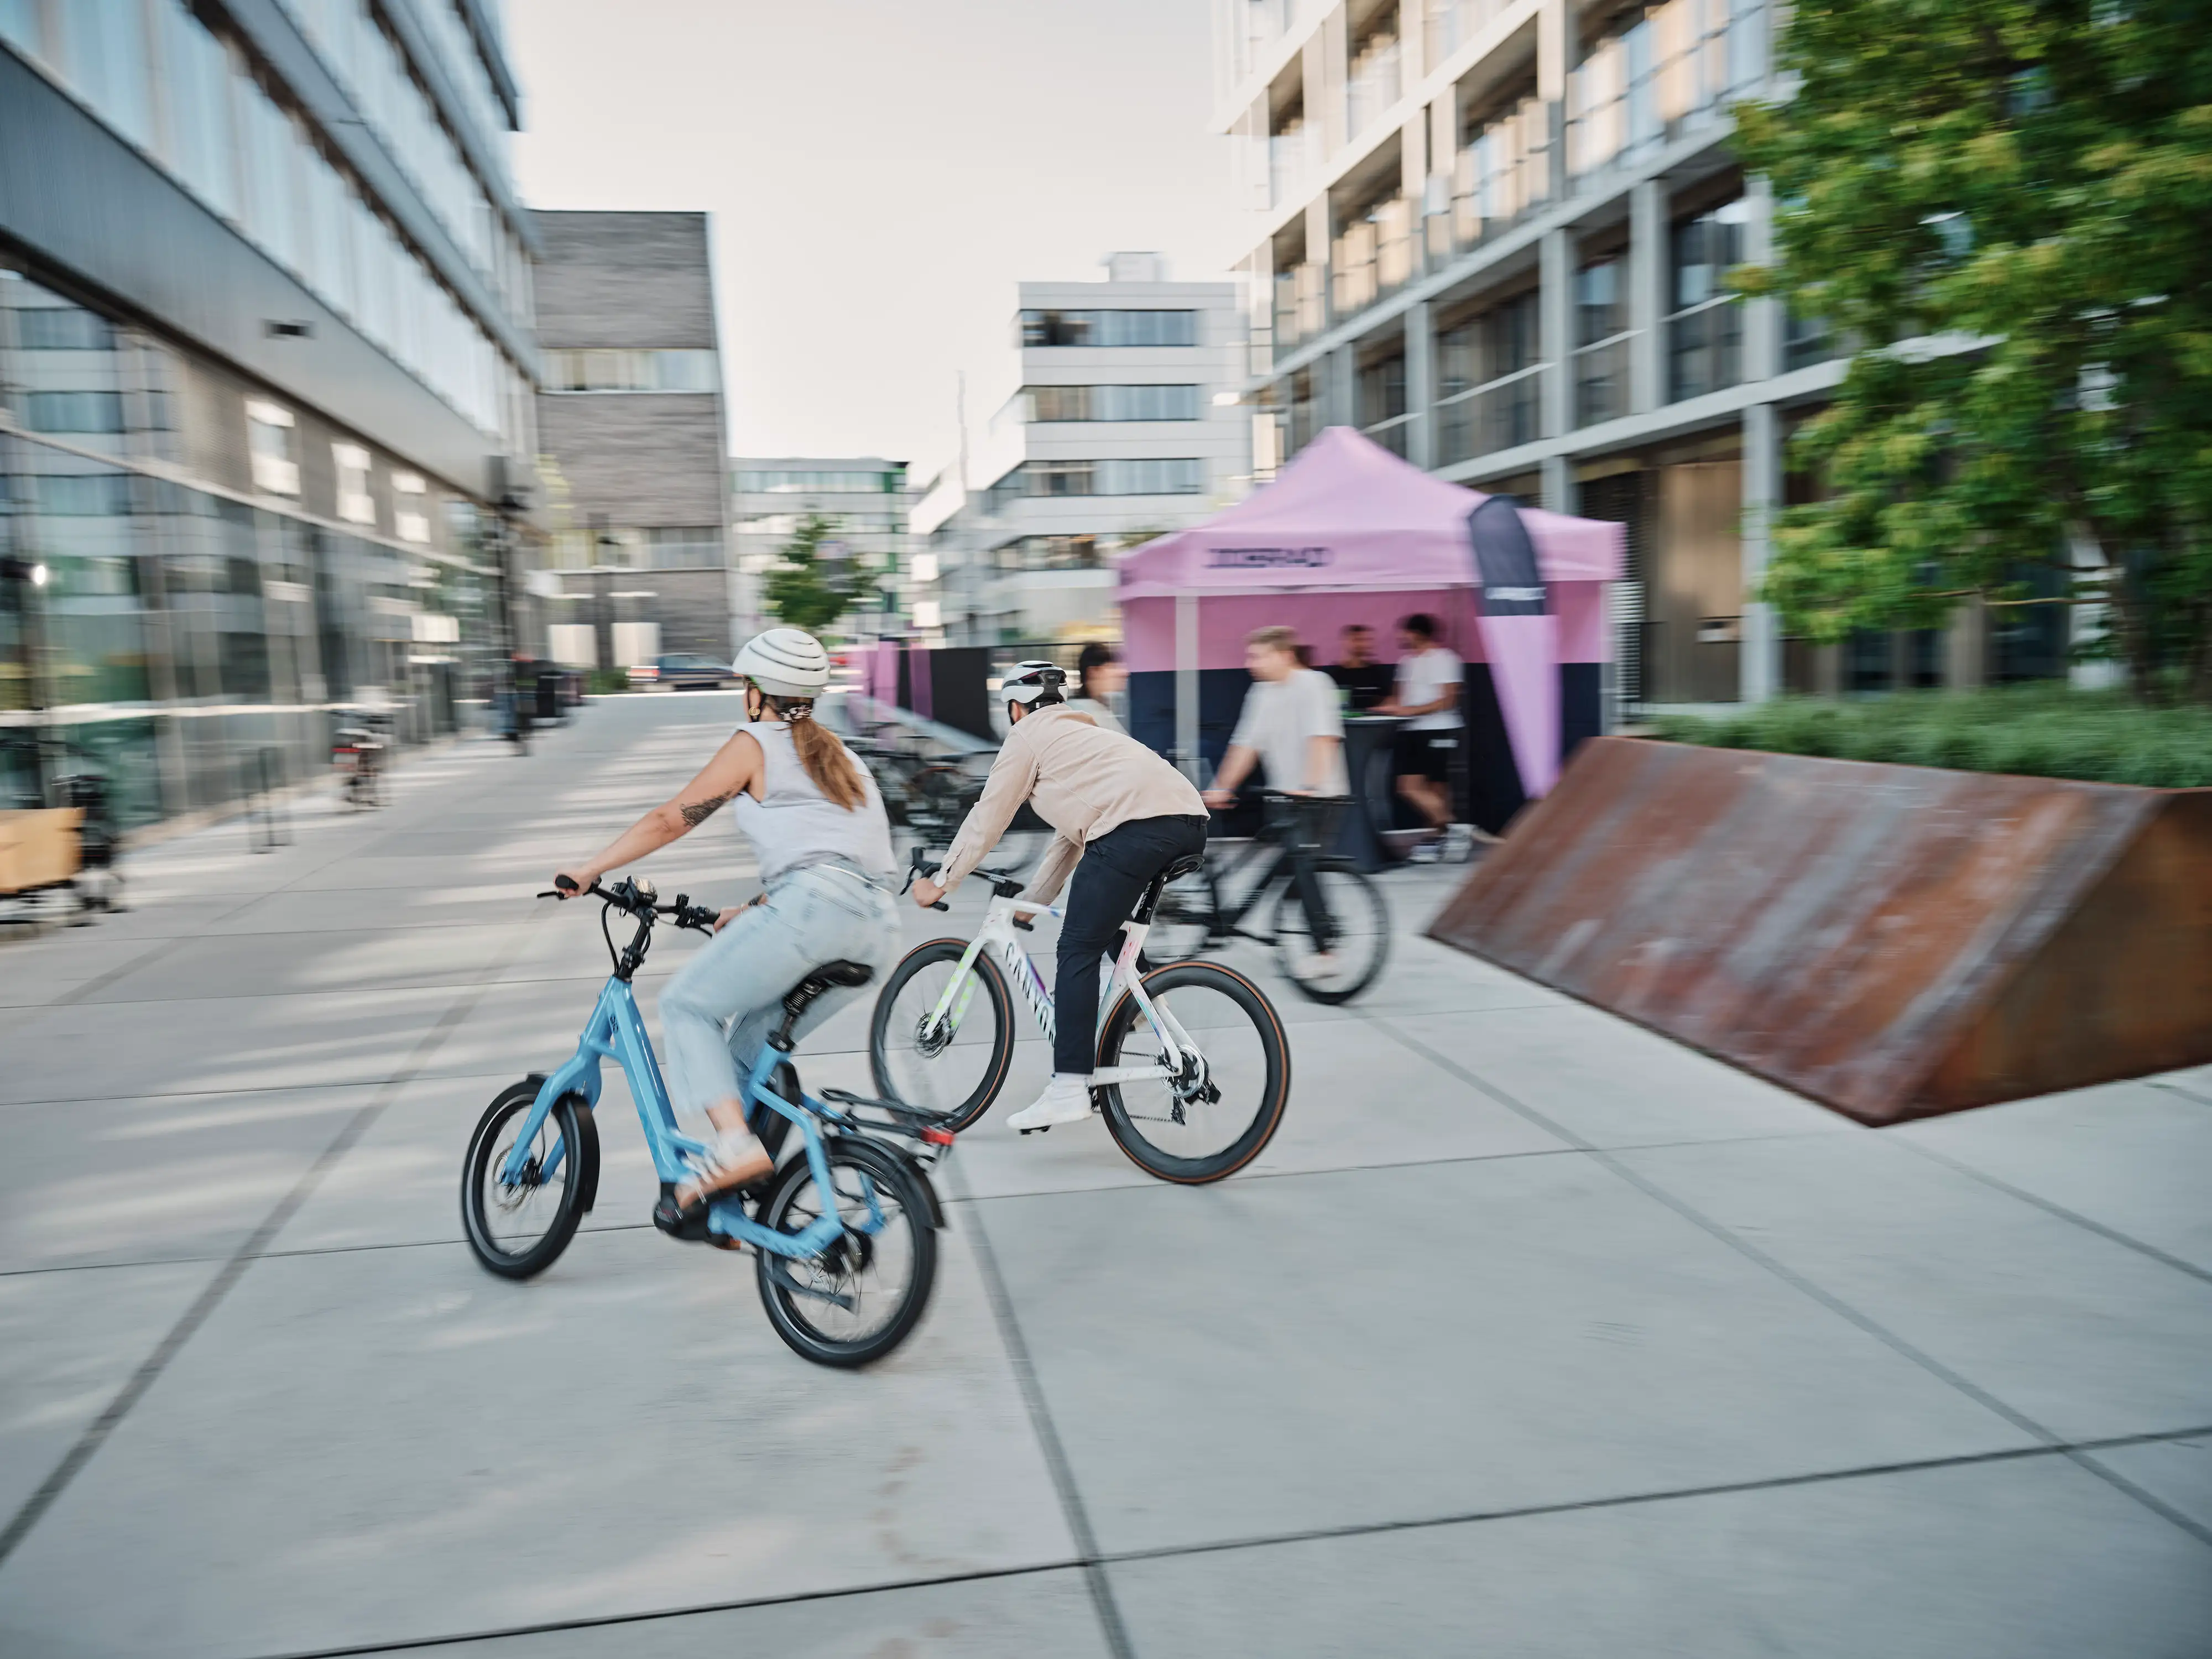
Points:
[(2059, 1210), (1109, 1612), (241, 1089), (1257, 1542), (234, 1268), (1806, 1286), (2176, 1088), (601, 1621), (1632, 1500)]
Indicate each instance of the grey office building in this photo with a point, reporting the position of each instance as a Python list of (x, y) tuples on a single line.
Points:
[(632, 431), (265, 376)]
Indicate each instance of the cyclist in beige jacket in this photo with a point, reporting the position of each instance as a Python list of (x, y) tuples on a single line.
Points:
[(1113, 804)]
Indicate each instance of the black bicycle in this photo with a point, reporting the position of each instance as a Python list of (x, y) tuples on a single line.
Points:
[(1329, 924)]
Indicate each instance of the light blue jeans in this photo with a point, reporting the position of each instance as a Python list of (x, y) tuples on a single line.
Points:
[(719, 1009)]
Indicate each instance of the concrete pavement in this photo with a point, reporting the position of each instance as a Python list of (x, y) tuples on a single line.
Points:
[(1531, 1333)]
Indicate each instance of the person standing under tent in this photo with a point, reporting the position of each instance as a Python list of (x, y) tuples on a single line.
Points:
[(1365, 682), (1429, 678)]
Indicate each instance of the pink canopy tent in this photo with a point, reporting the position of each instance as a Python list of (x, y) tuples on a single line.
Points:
[(1348, 532)]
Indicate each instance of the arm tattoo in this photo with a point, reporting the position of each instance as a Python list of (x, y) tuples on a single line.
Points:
[(697, 812)]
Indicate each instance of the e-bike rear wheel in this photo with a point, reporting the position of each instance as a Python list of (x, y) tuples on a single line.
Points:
[(519, 1228), (862, 1296), (1226, 1099), (955, 1066)]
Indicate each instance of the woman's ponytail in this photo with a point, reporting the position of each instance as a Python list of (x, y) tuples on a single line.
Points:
[(829, 765)]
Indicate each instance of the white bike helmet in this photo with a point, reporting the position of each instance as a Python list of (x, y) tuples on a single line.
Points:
[(1033, 681), (785, 662)]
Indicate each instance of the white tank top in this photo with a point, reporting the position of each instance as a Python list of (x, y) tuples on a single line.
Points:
[(794, 824)]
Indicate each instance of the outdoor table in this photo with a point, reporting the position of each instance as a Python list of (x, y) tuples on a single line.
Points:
[(1368, 749)]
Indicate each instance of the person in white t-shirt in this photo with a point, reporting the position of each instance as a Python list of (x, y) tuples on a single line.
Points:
[(1429, 679), (1291, 725)]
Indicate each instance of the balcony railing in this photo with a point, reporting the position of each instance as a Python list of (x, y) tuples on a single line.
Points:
[(1498, 180), (1677, 68), (1293, 163), (1373, 258), (1371, 84), (1704, 348), (1601, 380), (1500, 414), (1448, 25), (1391, 434), (1300, 311)]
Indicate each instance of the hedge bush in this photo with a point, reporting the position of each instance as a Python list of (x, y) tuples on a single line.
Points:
[(2037, 731)]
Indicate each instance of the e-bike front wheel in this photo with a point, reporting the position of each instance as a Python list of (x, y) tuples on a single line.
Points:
[(518, 1227), (1334, 956), (863, 1294), (1225, 1099), (956, 1064)]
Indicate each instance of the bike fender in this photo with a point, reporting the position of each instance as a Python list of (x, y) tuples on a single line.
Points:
[(914, 1167), (587, 1152)]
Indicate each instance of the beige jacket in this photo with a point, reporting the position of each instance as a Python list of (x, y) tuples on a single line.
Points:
[(1082, 781)]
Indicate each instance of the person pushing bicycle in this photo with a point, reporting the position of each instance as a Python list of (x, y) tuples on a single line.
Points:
[(1119, 815), (817, 821)]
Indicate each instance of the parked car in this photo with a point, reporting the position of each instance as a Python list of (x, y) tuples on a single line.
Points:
[(682, 672)]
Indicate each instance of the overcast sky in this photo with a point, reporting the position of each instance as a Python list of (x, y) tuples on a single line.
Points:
[(881, 173)]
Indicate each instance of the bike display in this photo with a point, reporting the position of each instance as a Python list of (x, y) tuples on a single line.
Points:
[(1193, 1071), (1329, 925), (844, 1232)]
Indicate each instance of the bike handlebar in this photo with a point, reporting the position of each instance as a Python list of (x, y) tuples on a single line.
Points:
[(626, 896)]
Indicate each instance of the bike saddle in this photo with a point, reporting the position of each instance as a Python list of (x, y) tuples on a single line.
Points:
[(829, 974), (1188, 865)]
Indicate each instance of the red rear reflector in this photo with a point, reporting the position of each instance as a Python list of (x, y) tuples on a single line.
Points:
[(938, 1137)]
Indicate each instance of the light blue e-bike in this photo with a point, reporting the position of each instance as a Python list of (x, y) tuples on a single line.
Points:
[(844, 1232)]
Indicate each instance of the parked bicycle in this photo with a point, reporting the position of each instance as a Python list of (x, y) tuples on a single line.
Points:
[(357, 751), (1329, 925), (844, 1232), (1192, 1073)]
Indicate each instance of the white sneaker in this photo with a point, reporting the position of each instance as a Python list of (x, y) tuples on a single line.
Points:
[(1317, 964), (1065, 1100), (1427, 852)]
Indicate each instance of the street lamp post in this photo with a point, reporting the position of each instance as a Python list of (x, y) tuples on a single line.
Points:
[(29, 577)]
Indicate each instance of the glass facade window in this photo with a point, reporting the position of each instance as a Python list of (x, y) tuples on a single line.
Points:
[(1602, 341), (1489, 395), (596, 370), (411, 519), (1178, 476), (103, 54), (1110, 328), (355, 505), (269, 439), (1112, 403), (1705, 329), (796, 482)]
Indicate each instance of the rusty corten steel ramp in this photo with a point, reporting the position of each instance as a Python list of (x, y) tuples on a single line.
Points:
[(1891, 941)]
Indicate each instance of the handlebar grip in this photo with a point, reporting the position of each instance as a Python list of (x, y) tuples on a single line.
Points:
[(940, 905), (567, 884)]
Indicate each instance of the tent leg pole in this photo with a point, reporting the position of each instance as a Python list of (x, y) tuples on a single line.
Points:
[(1186, 710)]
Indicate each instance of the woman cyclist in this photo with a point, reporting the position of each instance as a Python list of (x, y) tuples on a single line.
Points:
[(1115, 804), (816, 822)]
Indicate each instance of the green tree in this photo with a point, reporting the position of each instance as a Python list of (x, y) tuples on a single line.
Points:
[(2003, 206), (806, 590)]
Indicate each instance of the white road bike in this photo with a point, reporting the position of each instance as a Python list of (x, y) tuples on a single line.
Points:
[(1193, 1069)]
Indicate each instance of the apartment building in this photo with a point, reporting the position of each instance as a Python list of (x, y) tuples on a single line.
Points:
[(864, 499), (1123, 421), (265, 384), (1493, 235), (631, 424)]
